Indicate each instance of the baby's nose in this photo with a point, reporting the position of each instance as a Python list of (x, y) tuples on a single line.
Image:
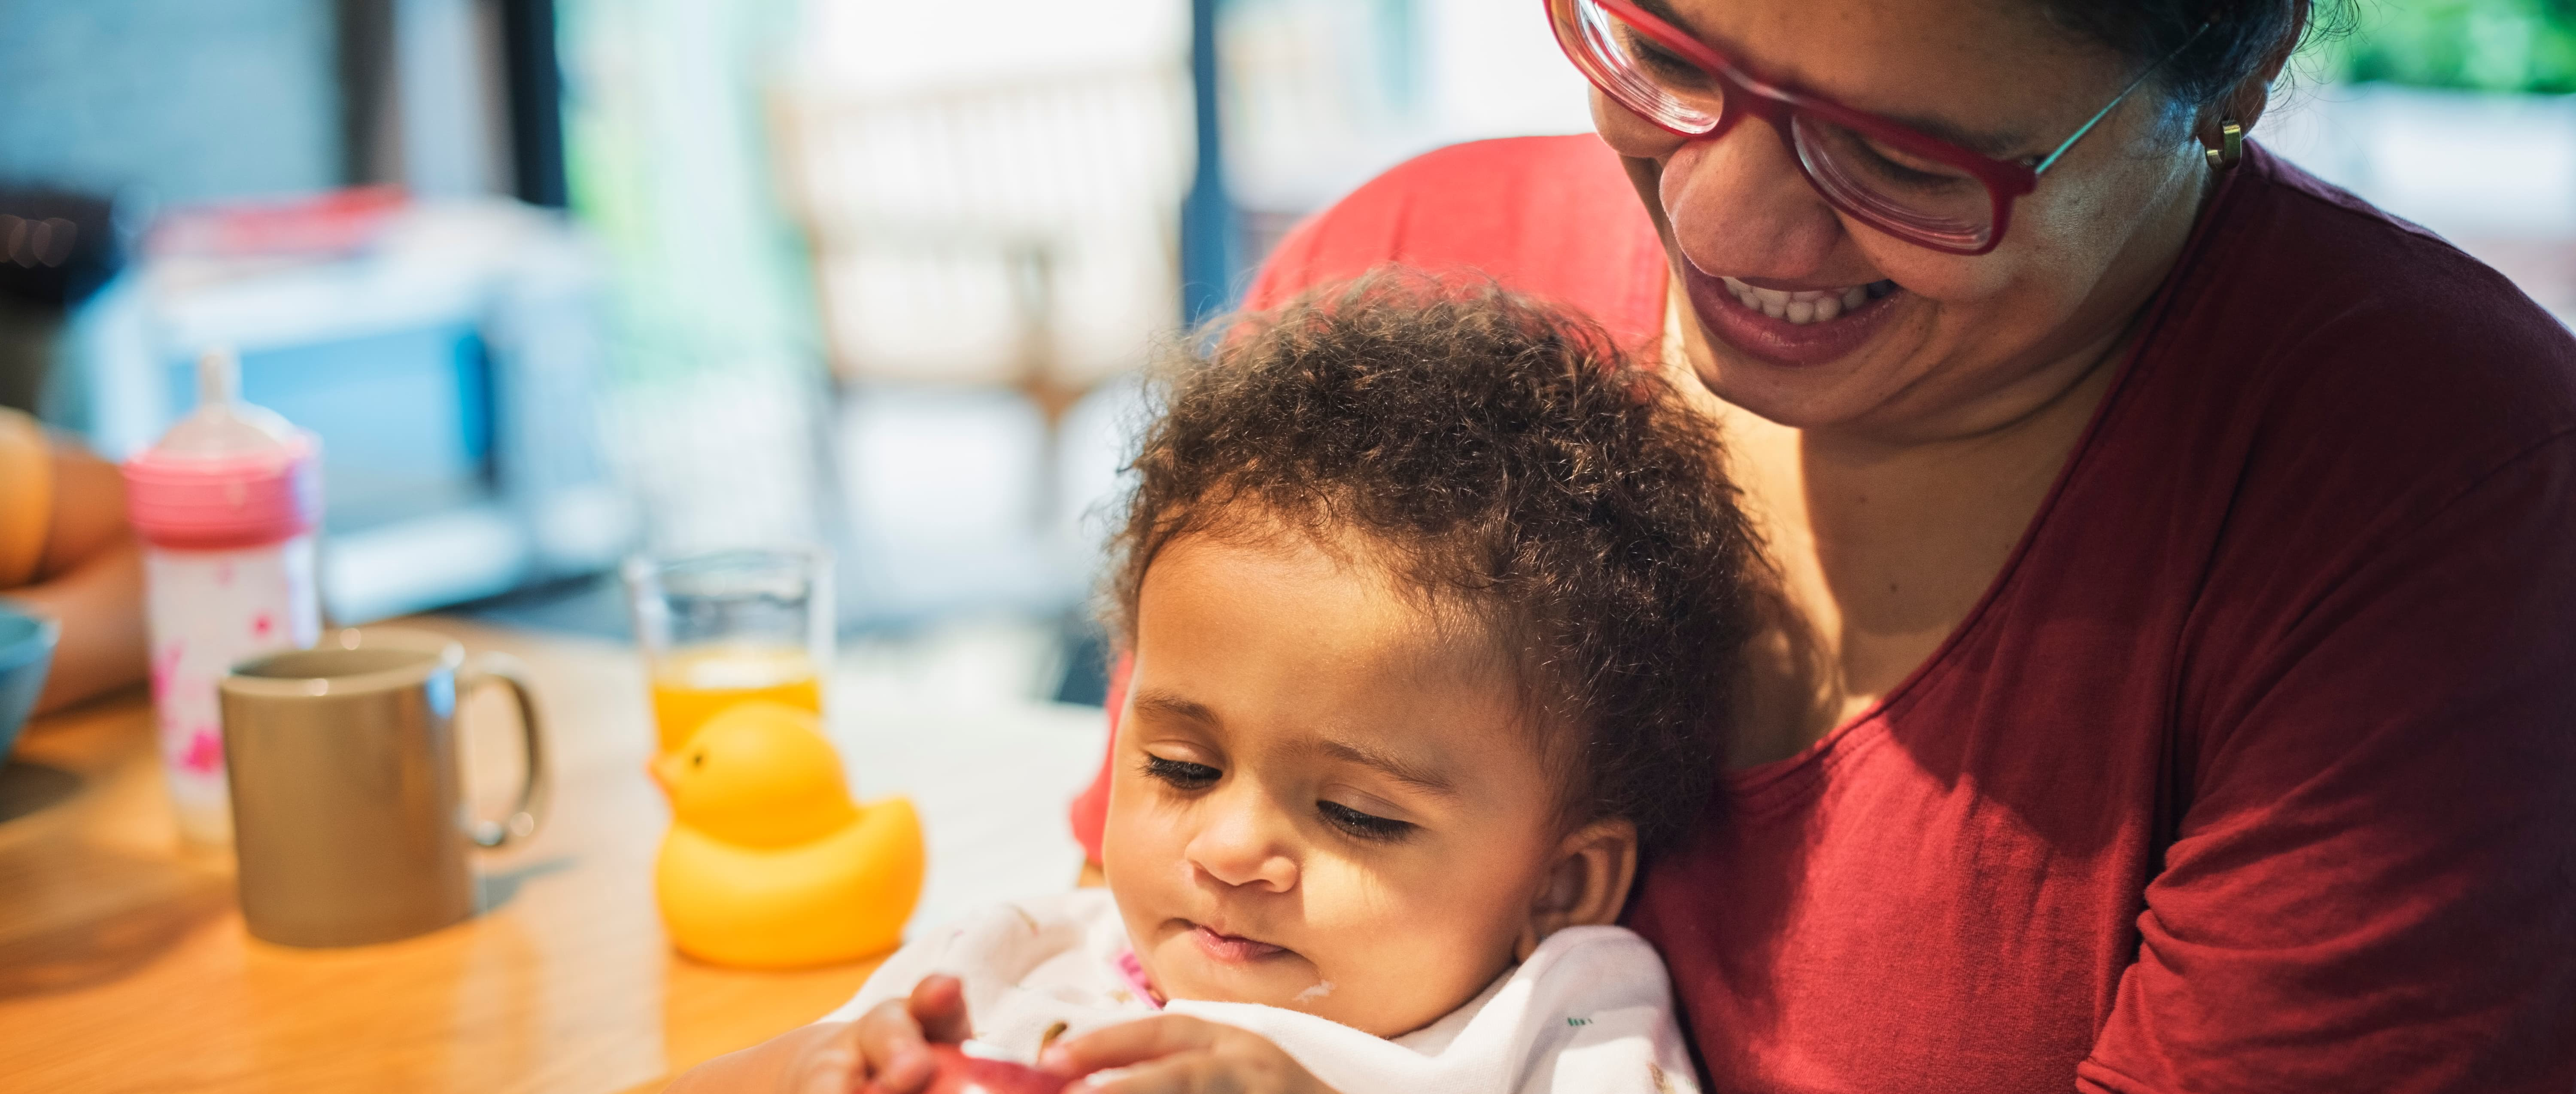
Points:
[(1239, 847)]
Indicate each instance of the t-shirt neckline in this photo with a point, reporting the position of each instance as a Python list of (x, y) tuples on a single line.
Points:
[(1775, 782)]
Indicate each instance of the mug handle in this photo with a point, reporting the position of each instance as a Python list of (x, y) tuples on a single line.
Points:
[(522, 823)]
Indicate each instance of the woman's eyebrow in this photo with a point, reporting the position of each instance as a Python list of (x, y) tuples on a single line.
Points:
[(1428, 780), (1998, 145)]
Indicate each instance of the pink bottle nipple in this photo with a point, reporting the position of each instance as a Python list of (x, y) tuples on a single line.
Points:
[(230, 474)]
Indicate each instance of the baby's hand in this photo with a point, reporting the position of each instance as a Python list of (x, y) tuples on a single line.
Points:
[(1177, 1054), (891, 1041), (889, 1045)]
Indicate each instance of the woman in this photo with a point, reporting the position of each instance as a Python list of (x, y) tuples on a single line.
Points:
[(66, 554), (2173, 685)]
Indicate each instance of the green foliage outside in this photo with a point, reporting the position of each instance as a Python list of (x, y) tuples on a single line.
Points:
[(2481, 45)]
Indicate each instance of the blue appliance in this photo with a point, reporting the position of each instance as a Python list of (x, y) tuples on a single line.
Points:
[(451, 367)]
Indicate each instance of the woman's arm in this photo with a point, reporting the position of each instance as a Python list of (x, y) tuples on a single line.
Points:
[(90, 579)]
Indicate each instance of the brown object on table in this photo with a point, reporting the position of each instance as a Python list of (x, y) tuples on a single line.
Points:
[(344, 763), (124, 964)]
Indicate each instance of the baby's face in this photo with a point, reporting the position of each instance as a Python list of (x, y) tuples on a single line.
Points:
[(1317, 803)]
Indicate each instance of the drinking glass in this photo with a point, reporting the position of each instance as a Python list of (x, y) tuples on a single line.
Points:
[(730, 626)]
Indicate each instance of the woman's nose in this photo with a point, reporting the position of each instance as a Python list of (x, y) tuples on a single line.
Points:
[(1239, 846), (1740, 207)]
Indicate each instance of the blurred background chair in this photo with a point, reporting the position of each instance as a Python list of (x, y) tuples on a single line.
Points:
[(1016, 234), (989, 255)]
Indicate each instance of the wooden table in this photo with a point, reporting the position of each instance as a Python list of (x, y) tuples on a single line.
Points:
[(124, 965)]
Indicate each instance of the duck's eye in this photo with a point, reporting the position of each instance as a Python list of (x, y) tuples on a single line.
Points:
[(697, 759)]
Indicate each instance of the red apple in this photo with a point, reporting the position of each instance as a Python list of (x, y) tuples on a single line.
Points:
[(960, 1073)]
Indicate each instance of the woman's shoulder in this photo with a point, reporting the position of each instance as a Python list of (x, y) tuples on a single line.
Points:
[(2357, 445), (1554, 217), (2321, 333), (2326, 287)]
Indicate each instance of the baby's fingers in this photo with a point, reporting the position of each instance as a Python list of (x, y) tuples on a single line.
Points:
[(938, 1003), (830, 1067), (1217, 1072), (890, 1043), (1128, 1043), (893, 1037), (1187, 1074)]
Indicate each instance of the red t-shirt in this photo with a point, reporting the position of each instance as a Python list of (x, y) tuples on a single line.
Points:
[(2255, 770)]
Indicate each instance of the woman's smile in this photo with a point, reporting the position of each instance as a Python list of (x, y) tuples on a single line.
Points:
[(1789, 327)]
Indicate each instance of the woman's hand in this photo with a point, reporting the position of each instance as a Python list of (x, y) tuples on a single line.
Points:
[(1177, 1054), (889, 1046)]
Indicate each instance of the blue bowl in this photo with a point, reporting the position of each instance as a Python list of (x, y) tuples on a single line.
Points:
[(26, 651)]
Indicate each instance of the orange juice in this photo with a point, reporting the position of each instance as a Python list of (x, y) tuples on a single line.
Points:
[(693, 685)]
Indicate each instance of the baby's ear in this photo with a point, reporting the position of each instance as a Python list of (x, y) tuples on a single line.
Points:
[(1587, 885)]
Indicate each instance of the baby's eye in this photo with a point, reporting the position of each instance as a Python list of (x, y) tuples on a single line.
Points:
[(1180, 773), (1363, 825)]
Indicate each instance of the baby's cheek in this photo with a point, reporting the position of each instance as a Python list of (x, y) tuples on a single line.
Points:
[(1133, 852), (1133, 832), (1394, 959), (1372, 975)]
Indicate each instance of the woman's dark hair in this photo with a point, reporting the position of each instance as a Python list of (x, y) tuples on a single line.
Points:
[(2243, 35), (1502, 460)]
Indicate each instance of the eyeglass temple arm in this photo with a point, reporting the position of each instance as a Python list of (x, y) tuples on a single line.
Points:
[(2051, 160)]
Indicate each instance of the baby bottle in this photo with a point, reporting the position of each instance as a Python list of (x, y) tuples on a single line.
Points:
[(226, 504)]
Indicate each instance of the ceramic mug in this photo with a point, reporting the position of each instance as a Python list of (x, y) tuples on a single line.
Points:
[(349, 815)]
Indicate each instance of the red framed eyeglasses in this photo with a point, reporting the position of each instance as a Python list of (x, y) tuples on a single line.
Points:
[(1916, 187)]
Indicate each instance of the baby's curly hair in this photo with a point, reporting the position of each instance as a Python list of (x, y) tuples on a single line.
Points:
[(1502, 459)]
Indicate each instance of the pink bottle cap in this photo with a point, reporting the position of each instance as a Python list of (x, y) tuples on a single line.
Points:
[(228, 475)]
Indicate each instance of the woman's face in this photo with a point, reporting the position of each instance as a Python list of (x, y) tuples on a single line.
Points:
[(1952, 346)]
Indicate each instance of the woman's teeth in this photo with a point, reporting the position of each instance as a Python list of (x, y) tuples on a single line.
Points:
[(1807, 305)]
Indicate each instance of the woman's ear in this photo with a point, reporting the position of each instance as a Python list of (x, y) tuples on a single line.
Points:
[(2244, 103), (1586, 885)]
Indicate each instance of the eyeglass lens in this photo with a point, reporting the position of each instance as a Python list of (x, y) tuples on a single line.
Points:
[(1907, 194), (1933, 202), (1644, 76)]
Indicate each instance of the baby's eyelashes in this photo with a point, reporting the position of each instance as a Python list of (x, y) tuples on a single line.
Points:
[(1355, 821), (1181, 774), (1367, 826)]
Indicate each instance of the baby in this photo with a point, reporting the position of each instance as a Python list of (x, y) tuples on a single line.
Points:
[(1434, 604)]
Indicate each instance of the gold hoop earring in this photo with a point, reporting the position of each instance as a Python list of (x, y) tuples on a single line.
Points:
[(2228, 148)]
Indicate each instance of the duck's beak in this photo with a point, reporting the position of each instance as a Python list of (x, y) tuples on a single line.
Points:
[(665, 770)]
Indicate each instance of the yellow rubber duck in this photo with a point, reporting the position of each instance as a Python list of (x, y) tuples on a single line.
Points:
[(768, 863)]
